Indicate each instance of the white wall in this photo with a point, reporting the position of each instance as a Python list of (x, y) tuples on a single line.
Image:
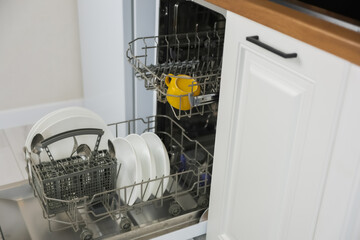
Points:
[(39, 53)]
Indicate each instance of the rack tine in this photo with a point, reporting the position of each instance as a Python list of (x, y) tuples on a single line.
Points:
[(218, 47), (146, 53), (198, 44), (157, 50), (208, 50), (118, 171), (188, 49), (167, 49), (178, 48)]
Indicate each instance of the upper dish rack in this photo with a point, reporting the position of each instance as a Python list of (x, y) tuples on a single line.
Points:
[(198, 55)]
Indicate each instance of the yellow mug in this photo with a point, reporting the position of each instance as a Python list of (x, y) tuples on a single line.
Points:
[(178, 89)]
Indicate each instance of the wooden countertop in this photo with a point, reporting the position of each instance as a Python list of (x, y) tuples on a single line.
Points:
[(329, 37)]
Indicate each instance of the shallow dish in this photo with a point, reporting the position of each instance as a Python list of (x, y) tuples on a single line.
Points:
[(130, 170), (162, 163), (147, 161), (50, 118), (66, 119)]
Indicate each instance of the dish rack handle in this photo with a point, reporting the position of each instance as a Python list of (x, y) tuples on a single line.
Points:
[(72, 133)]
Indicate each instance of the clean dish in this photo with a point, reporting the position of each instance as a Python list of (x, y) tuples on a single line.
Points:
[(55, 116), (59, 114), (68, 119), (34, 128), (147, 161), (42, 121), (162, 163), (130, 170)]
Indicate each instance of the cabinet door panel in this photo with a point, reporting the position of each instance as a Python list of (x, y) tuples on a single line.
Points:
[(339, 215), (267, 134), (276, 128)]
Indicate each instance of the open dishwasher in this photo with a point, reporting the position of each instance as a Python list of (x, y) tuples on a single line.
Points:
[(81, 195), (94, 207)]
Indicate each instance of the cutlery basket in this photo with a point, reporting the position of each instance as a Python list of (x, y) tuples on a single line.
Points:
[(58, 182)]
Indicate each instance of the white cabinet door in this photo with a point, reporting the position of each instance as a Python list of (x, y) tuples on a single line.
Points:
[(339, 215), (276, 129)]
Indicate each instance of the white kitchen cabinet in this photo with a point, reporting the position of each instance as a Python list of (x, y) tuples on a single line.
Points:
[(280, 139), (339, 215)]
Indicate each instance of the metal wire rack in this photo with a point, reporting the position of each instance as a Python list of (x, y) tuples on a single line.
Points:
[(198, 55), (72, 178), (71, 199)]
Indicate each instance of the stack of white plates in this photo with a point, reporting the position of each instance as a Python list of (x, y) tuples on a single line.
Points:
[(63, 120), (142, 158)]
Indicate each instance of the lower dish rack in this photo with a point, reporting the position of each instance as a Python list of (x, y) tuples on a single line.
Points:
[(87, 200)]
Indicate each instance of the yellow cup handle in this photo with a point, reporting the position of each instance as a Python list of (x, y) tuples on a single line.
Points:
[(167, 81)]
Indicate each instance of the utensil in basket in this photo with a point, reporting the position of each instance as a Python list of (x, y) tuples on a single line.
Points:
[(36, 145)]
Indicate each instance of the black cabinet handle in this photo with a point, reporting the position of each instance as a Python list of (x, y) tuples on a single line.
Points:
[(255, 40)]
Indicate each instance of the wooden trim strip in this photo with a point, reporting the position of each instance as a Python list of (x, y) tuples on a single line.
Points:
[(319, 33)]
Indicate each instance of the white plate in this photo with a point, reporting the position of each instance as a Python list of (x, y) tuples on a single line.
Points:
[(130, 171), (35, 128), (56, 115), (64, 120), (147, 161), (63, 148), (162, 162), (40, 122)]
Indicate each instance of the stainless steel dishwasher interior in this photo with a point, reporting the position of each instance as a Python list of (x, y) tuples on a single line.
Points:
[(21, 217)]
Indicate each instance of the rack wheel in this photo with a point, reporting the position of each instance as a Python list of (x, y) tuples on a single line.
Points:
[(125, 224), (86, 234), (175, 209), (203, 201)]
